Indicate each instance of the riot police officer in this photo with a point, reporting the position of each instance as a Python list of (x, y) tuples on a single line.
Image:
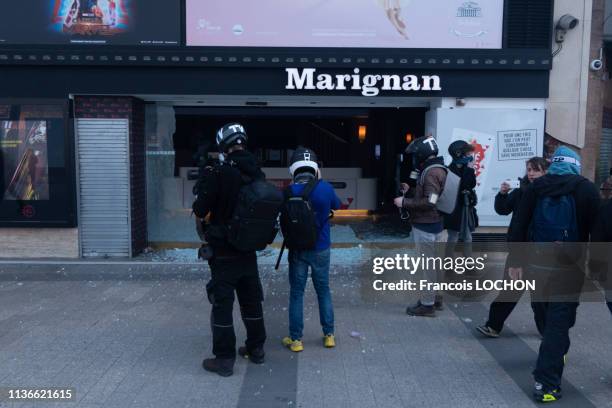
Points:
[(232, 271)]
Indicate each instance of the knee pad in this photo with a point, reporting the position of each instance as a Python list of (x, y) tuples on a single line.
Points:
[(219, 295)]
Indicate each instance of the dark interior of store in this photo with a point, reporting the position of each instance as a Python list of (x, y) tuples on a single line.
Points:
[(370, 139)]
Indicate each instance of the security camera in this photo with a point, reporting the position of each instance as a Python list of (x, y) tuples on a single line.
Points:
[(596, 65), (566, 22)]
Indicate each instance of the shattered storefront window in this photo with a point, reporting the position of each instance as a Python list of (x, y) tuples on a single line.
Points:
[(169, 219)]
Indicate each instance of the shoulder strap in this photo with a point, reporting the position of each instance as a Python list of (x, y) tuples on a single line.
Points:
[(244, 178), (433, 166), (309, 188), (288, 192)]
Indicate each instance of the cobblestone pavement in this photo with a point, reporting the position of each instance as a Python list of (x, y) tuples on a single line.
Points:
[(133, 334)]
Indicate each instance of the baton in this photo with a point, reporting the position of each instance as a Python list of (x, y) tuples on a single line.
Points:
[(280, 255)]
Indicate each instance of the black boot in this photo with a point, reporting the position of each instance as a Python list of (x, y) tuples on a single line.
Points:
[(222, 366), (257, 356), (421, 310), (439, 303)]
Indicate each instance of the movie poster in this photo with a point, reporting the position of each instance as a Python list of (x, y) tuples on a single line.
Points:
[(91, 17), (84, 22), (25, 169)]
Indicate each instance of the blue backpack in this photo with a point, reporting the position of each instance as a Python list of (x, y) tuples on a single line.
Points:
[(554, 220)]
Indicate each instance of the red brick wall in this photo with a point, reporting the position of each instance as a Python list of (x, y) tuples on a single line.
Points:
[(138, 175), (125, 107), (103, 107)]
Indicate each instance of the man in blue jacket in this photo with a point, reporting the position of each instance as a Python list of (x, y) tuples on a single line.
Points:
[(305, 170)]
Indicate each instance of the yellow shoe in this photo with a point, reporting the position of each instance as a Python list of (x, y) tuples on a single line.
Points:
[(329, 341), (293, 345)]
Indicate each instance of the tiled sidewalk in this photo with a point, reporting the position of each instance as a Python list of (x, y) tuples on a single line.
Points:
[(134, 335)]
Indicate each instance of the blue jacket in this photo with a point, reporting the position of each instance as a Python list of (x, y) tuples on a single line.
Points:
[(323, 199)]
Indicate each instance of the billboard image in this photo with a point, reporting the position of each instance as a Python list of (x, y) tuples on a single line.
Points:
[(344, 23), (91, 17), (115, 22), (25, 169)]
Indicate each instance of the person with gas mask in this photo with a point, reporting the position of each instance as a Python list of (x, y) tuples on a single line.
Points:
[(463, 220), (426, 221), (232, 270)]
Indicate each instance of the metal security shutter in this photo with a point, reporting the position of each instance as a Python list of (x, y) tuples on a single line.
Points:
[(605, 155), (104, 187)]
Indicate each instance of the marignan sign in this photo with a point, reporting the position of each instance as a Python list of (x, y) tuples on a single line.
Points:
[(369, 85)]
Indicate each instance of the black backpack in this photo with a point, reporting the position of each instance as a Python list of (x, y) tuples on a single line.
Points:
[(298, 220), (254, 222)]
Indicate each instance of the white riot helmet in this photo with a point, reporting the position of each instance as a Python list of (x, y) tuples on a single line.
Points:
[(303, 159)]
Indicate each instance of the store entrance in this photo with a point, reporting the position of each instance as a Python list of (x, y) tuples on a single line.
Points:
[(359, 150)]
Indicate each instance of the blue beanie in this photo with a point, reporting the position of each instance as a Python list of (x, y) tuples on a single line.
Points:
[(565, 161)]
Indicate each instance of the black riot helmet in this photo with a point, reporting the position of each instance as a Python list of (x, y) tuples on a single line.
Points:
[(459, 149), (421, 149), (303, 159), (230, 135)]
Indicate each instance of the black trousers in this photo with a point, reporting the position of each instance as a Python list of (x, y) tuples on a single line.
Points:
[(557, 294), (500, 310), (237, 274), (504, 304), (560, 317)]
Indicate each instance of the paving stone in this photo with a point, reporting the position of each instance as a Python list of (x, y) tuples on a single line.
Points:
[(135, 335)]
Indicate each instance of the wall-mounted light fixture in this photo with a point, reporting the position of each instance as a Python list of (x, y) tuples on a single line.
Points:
[(362, 133)]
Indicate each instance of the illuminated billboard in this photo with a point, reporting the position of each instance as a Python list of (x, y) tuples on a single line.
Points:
[(118, 22), (346, 23)]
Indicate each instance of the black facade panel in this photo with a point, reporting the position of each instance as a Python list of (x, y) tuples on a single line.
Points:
[(528, 23), (48, 82)]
